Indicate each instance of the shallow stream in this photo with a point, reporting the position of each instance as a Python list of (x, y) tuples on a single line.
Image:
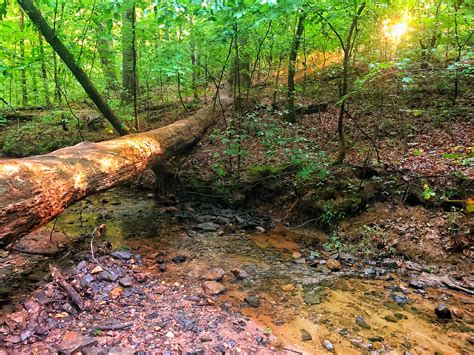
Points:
[(361, 307)]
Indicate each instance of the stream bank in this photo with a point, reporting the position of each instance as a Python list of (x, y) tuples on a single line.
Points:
[(195, 277)]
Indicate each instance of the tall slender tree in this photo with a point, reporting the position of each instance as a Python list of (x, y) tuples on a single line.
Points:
[(50, 35)]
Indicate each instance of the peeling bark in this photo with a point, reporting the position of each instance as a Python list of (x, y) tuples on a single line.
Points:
[(34, 190)]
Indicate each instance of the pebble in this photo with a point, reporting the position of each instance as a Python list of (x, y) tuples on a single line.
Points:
[(328, 345), (215, 274), (360, 321), (260, 229), (239, 274), (288, 288), (296, 255), (178, 259), (305, 336), (398, 298), (170, 335), (122, 254), (96, 270), (416, 284), (333, 265), (126, 281), (208, 226), (253, 301), (213, 288), (443, 312), (205, 338)]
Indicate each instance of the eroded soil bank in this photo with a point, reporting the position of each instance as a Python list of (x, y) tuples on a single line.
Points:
[(174, 275)]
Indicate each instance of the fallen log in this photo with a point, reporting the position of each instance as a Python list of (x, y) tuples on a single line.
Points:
[(36, 189)]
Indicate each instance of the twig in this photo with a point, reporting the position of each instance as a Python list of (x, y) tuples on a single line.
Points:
[(292, 351), (305, 223), (117, 326), (61, 281), (457, 288)]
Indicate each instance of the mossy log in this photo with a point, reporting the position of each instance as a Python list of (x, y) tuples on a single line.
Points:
[(36, 189)]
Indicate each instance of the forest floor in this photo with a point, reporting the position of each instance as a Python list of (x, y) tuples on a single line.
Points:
[(187, 272)]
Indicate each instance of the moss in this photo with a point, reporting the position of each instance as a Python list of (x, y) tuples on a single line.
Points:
[(36, 138), (260, 171)]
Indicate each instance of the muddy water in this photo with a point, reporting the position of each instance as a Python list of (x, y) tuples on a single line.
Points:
[(293, 295)]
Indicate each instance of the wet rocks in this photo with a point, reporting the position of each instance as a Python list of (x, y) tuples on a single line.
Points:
[(333, 265), (98, 269), (288, 288), (215, 274), (208, 227), (329, 346), (213, 288), (443, 312), (360, 321), (74, 342), (398, 298), (416, 284), (239, 274), (253, 301), (305, 336), (178, 259), (122, 254), (312, 296), (126, 281)]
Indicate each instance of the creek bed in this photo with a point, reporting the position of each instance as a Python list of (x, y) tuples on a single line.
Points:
[(285, 290)]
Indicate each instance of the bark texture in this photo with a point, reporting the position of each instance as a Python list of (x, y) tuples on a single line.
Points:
[(34, 190)]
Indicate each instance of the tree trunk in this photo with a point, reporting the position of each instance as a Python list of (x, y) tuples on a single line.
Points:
[(129, 77), (291, 117), (24, 89), (52, 38), (43, 71), (34, 190), (106, 56)]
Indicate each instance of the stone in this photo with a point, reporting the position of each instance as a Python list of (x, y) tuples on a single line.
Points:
[(239, 274), (215, 274), (288, 288), (126, 281), (98, 269), (260, 229), (296, 255), (443, 312), (333, 265), (178, 259), (213, 288), (208, 226), (108, 276), (391, 318), (376, 339), (328, 345), (116, 293), (252, 301), (305, 336), (73, 342), (360, 321), (312, 296), (416, 284), (205, 338), (398, 298), (170, 335), (122, 254)]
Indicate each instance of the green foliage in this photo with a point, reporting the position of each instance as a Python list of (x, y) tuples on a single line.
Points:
[(427, 192)]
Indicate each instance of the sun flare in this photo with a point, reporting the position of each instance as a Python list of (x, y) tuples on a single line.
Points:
[(395, 31)]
